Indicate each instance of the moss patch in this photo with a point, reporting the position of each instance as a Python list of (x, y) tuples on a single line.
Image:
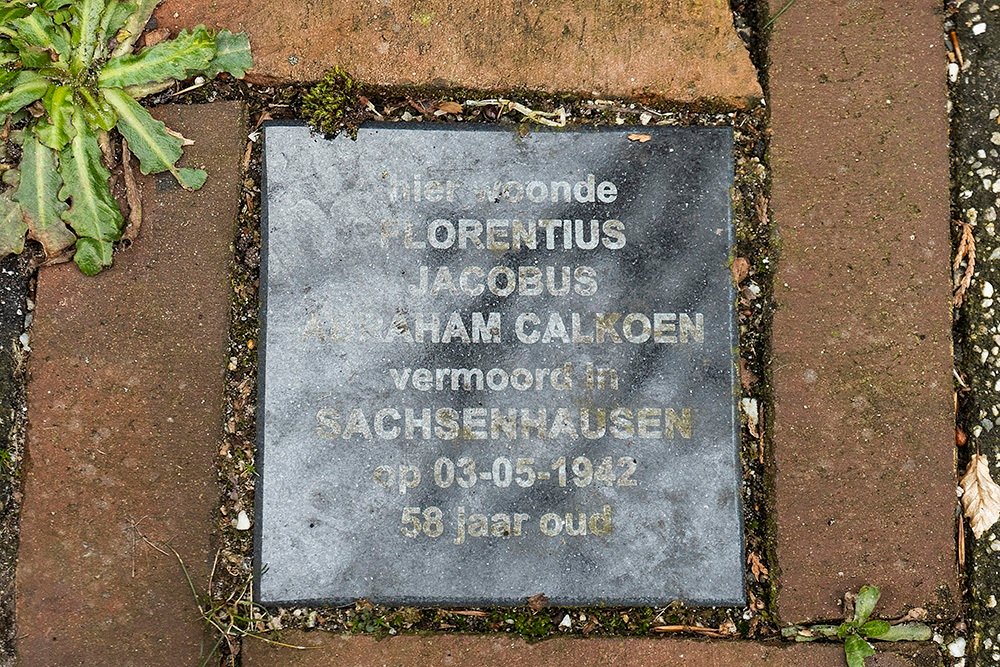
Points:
[(332, 104)]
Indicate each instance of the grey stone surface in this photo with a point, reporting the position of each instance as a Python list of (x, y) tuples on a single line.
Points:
[(382, 479)]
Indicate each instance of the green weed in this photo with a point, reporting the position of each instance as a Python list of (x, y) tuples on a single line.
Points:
[(70, 73)]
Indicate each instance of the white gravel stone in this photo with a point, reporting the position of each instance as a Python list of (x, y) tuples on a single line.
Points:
[(979, 28), (957, 647), (987, 289), (242, 521)]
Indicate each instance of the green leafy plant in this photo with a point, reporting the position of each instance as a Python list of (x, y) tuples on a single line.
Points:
[(69, 73), (859, 628)]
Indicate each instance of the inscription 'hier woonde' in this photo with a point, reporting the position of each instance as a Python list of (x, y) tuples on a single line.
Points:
[(473, 358)]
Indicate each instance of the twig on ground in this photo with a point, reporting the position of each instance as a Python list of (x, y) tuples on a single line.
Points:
[(198, 83), (136, 533), (961, 542), (695, 629), (228, 613), (958, 49), (555, 118), (966, 252), (778, 14)]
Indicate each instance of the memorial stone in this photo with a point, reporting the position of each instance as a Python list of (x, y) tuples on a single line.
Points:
[(497, 365)]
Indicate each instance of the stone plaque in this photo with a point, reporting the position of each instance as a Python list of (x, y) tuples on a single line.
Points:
[(495, 366)]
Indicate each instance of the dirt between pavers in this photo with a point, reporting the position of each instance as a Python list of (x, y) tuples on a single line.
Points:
[(973, 34), (15, 279)]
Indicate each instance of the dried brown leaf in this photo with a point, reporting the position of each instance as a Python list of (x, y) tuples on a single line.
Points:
[(915, 614), (741, 269), (641, 138), (747, 377), (261, 117), (761, 207), (751, 408), (757, 568), (184, 140), (154, 37), (538, 602), (133, 196), (981, 495), (475, 613), (422, 106), (448, 107)]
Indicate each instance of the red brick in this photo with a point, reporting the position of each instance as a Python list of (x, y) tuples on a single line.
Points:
[(864, 418), (125, 412), (489, 651), (683, 51)]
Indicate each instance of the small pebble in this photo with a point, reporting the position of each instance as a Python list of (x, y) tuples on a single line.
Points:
[(979, 29), (242, 521), (957, 647), (566, 622)]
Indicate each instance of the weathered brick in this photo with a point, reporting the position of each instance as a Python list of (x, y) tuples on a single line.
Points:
[(682, 51), (864, 417), (488, 651), (125, 413)]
